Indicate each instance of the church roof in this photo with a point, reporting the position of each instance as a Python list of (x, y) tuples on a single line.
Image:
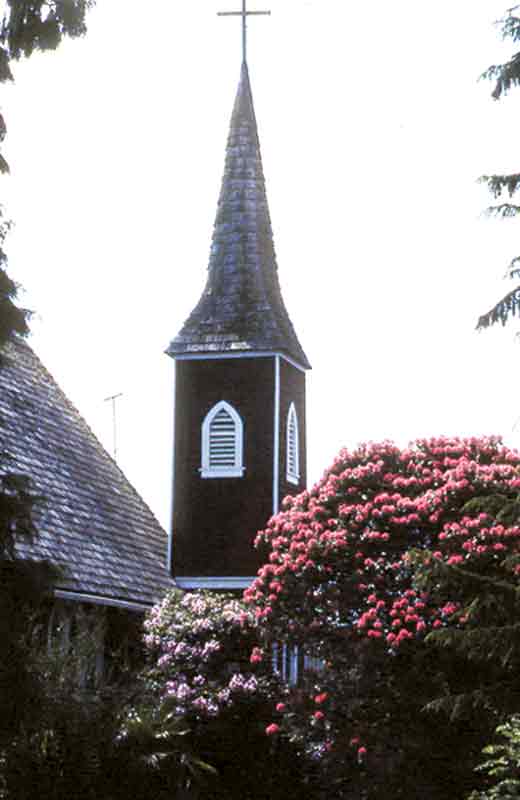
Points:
[(241, 308), (92, 523)]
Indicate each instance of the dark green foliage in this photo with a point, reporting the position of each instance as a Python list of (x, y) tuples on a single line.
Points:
[(12, 318), (488, 641), (483, 639), (502, 765), (75, 741), (506, 77), (23, 586), (72, 750), (29, 25), (25, 27)]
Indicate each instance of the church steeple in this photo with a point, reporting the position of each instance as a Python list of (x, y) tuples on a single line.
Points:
[(239, 431), (241, 308)]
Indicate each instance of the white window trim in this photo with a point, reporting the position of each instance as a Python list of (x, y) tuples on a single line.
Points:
[(293, 476), (235, 471)]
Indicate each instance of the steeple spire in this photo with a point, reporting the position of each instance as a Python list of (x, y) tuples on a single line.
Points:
[(241, 308), (244, 14), (240, 436)]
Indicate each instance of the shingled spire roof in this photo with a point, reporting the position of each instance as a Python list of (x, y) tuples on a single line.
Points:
[(241, 308)]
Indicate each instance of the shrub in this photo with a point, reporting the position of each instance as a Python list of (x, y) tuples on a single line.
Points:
[(341, 580), (207, 668)]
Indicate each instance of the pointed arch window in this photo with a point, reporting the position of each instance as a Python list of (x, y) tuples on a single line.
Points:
[(293, 448), (222, 443)]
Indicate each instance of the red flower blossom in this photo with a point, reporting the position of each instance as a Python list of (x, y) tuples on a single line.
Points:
[(256, 655), (272, 729)]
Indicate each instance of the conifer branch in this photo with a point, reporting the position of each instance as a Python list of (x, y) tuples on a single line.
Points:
[(499, 183), (504, 210), (506, 308)]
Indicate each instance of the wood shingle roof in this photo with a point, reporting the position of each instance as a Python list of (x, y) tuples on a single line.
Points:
[(241, 308), (92, 523)]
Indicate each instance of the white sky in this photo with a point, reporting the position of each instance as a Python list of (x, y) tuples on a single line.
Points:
[(373, 130)]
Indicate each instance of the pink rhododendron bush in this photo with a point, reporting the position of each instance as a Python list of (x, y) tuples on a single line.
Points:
[(343, 580), (201, 645), (206, 668)]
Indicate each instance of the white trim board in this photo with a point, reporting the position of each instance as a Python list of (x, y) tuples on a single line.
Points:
[(276, 443), (245, 354), (213, 582), (169, 552), (98, 600)]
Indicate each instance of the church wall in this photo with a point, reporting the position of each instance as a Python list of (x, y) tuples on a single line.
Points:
[(215, 519), (292, 390)]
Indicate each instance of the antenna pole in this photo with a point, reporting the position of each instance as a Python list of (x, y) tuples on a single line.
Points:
[(112, 399)]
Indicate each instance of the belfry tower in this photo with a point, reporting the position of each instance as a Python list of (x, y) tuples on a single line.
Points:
[(239, 435)]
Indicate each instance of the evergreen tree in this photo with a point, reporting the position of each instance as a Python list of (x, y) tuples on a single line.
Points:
[(502, 765), (485, 629), (25, 26), (505, 187), (30, 25)]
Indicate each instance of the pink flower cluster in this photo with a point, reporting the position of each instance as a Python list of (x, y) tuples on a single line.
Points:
[(338, 551)]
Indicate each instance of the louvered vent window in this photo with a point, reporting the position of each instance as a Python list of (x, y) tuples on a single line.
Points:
[(222, 443), (293, 454), (222, 440)]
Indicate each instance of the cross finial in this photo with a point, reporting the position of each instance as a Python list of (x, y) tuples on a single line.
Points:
[(244, 14)]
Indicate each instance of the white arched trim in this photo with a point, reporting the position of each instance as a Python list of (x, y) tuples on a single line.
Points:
[(293, 447), (222, 443)]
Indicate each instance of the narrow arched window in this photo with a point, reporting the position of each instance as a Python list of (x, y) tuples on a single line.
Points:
[(222, 443), (293, 450)]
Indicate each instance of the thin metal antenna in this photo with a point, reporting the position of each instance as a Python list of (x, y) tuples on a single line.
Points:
[(113, 399), (244, 14)]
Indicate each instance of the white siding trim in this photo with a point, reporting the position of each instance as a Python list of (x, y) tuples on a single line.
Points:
[(276, 444), (293, 666), (214, 582), (245, 354), (169, 554), (209, 441), (292, 459)]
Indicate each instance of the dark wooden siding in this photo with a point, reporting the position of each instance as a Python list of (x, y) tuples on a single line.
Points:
[(292, 390), (215, 519)]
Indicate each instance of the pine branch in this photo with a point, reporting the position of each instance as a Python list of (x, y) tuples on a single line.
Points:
[(504, 210), (457, 704), (502, 311), (505, 75), (513, 270), (433, 569), (499, 183), (494, 643), (511, 25)]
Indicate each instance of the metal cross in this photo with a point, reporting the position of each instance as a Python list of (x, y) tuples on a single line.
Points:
[(244, 14)]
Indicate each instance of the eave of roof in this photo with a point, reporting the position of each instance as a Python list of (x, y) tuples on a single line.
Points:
[(241, 308)]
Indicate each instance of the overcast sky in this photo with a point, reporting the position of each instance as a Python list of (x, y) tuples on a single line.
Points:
[(373, 130)]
